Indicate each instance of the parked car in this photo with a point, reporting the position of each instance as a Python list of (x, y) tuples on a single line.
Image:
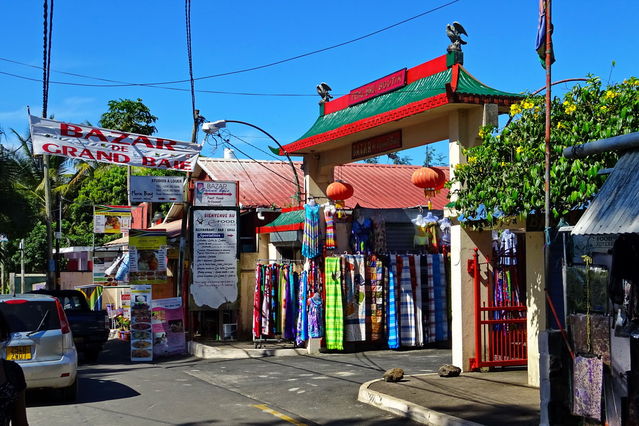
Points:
[(90, 328), (40, 341)]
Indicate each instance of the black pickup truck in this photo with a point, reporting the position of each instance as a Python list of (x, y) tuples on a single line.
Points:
[(90, 328)]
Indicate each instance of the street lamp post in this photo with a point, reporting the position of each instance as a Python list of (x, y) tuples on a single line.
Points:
[(214, 127)]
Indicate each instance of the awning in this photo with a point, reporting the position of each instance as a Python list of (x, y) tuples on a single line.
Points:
[(615, 209), (291, 219)]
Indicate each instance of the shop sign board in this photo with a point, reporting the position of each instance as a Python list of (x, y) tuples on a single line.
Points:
[(111, 146), (147, 256), (167, 321), (377, 145), (125, 302), (111, 219), (215, 194), (102, 262), (157, 189), (141, 333), (378, 87), (215, 236)]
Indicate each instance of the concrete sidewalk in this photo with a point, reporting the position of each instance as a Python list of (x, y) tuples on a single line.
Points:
[(214, 349), (494, 398)]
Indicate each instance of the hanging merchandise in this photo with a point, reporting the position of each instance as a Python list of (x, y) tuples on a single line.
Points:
[(435, 312), (343, 227), (315, 317), (266, 301), (291, 306), (406, 302), (257, 301), (310, 242), (302, 312), (379, 233), (587, 387), (334, 310), (597, 331), (329, 214), (361, 233), (375, 277), (421, 239), (416, 284), (508, 248), (445, 225), (353, 271), (391, 311)]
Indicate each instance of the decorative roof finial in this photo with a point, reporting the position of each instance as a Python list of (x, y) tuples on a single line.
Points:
[(323, 90), (454, 32)]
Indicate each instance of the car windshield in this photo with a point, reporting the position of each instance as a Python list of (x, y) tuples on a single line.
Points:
[(26, 316)]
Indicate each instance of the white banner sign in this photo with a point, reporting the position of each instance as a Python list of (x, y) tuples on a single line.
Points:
[(215, 194), (157, 189), (110, 146), (214, 257)]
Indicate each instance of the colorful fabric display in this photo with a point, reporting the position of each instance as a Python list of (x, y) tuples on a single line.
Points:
[(361, 231), (302, 313), (440, 296), (329, 213), (291, 306), (315, 317), (257, 302), (266, 303), (406, 303), (416, 282), (375, 285), (310, 242), (334, 310), (587, 387), (355, 297), (391, 309)]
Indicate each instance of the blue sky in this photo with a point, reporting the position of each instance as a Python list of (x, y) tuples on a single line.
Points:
[(145, 42)]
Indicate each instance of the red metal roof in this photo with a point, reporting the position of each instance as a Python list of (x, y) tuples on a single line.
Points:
[(375, 185)]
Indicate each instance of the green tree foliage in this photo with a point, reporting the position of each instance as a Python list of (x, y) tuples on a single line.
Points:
[(127, 115), (506, 172)]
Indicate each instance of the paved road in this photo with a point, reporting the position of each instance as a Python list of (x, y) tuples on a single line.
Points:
[(277, 390)]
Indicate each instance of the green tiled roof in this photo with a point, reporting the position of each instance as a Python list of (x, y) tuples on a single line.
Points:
[(288, 218), (421, 89)]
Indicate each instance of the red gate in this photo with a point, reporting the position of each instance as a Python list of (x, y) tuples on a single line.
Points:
[(500, 326)]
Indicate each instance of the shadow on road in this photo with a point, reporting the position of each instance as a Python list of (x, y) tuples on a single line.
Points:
[(89, 390)]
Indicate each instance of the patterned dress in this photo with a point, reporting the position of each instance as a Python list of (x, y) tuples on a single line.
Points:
[(329, 213), (310, 242)]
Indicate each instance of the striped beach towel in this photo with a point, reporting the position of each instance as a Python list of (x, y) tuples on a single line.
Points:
[(406, 304), (415, 273), (391, 309), (334, 312), (355, 309)]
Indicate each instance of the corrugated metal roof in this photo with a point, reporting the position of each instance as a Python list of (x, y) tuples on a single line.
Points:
[(615, 209), (375, 185)]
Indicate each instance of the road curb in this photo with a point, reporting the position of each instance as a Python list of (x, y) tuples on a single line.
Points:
[(408, 409), (218, 352)]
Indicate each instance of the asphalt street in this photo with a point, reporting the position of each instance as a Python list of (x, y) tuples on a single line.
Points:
[(260, 391)]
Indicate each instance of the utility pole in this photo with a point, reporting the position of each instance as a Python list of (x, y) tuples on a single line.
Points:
[(547, 152), (21, 267)]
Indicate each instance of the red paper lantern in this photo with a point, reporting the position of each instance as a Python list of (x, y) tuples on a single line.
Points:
[(430, 179), (339, 191)]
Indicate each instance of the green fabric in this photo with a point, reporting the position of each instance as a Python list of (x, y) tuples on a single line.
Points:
[(334, 308), (421, 89)]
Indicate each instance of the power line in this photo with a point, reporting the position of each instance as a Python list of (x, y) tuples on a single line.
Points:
[(258, 67), (270, 154)]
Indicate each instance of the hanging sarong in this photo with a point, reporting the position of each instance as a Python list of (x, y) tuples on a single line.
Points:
[(334, 311), (406, 304), (428, 299), (257, 303), (282, 296), (355, 311), (302, 318), (599, 335), (391, 309), (440, 294), (310, 241), (415, 273), (274, 322), (587, 387), (291, 306), (266, 302), (375, 299), (315, 320)]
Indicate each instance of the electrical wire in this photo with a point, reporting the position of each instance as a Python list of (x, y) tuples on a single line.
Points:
[(267, 65), (270, 154)]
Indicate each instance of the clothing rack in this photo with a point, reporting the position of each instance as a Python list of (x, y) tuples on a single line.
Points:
[(281, 260)]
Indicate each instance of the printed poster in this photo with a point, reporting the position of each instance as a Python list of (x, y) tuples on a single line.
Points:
[(125, 302), (111, 146), (111, 219), (215, 194), (103, 267), (141, 334), (147, 256), (214, 257), (157, 189), (167, 319)]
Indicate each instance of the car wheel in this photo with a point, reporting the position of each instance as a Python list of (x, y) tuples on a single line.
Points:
[(91, 355), (70, 393)]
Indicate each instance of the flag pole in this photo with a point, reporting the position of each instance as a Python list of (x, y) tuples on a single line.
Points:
[(548, 43)]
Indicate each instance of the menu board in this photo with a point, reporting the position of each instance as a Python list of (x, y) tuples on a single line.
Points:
[(167, 318), (215, 194), (125, 302), (214, 257), (111, 219), (102, 261), (147, 256), (141, 333)]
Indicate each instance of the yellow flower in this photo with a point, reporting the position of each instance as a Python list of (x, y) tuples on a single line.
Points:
[(472, 160), (527, 104), (561, 125), (503, 164), (635, 82), (482, 133), (603, 108), (566, 103), (515, 109), (519, 150), (570, 108), (610, 94)]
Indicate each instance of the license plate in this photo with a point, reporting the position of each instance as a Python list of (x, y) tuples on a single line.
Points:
[(18, 352)]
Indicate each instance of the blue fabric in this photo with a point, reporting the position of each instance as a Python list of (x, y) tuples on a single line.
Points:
[(123, 270), (439, 283), (302, 319), (391, 310), (406, 305)]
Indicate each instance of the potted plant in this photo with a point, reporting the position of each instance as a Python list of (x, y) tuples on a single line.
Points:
[(123, 327)]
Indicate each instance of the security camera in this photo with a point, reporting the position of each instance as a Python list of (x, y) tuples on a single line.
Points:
[(212, 127)]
